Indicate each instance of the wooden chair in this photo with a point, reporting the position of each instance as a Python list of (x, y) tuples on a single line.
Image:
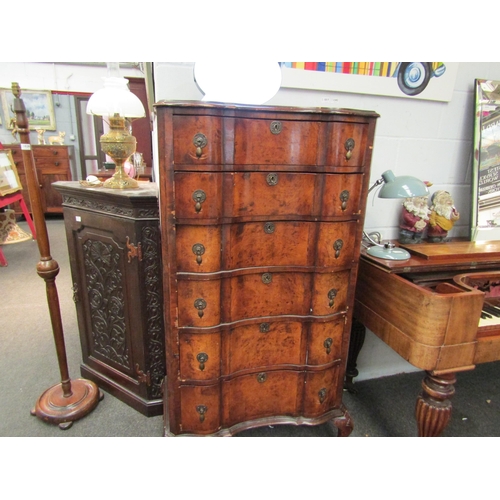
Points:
[(8, 200)]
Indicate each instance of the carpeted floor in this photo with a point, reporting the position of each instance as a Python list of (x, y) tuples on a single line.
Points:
[(28, 366)]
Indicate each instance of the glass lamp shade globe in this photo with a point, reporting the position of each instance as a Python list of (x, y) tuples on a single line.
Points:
[(115, 98), (239, 84)]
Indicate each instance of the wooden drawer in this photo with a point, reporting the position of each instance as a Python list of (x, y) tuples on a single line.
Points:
[(256, 244), (325, 341), (261, 295), (200, 196), (278, 141), (261, 395), (199, 409), (46, 152), (199, 355), (322, 391)]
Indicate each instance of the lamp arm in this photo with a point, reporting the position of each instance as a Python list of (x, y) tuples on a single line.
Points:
[(373, 242), (376, 183)]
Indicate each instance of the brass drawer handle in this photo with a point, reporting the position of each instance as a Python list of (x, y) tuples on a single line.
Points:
[(337, 246), (200, 304), (202, 358), (344, 198), (200, 141), (331, 295), (261, 377), (322, 395), (202, 409), (199, 196), (198, 250), (349, 146), (272, 178), (327, 344)]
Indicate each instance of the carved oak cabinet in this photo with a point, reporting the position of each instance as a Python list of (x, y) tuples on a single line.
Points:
[(261, 212), (114, 248)]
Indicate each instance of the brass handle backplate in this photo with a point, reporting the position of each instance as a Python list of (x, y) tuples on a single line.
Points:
[(202, 409), (200, 141), (269, 227), (337, 246), (264, 327), (322, 395), (261, 377), (349, 146), (200, 304), (198, 250), (344, 198), (199, 196), (202, 358), (331, 295), (327, 344), (267, 278)]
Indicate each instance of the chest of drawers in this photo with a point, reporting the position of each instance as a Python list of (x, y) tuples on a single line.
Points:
[(53, 164), (261, 212)]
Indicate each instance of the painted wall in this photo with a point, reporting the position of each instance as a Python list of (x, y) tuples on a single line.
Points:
[(429, 139), (60, 79)]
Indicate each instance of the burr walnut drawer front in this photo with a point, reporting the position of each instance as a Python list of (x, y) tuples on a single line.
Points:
[(259, 345), (258, 295), (260, 194), (271, 243), (198, 142)]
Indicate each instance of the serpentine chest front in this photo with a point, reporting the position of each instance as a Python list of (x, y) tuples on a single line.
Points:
[(261, 215)]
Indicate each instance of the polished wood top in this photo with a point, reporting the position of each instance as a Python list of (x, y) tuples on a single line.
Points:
[(456, 254)]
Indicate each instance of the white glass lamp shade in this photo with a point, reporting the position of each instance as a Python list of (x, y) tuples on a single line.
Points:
[(238, 84), (115, 98)]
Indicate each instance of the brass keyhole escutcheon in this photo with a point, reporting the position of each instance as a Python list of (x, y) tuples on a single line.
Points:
[(202, 409), (344, 198), (199, 196), (261, 377), (327, 344), (202, 358), (337, 246), (198, 250), (276, 127), (272, 178), (200, 304), (200, 141), (322, 395), (264, 327), (349, 146), (331, 296), (269, 227), (267, 278)]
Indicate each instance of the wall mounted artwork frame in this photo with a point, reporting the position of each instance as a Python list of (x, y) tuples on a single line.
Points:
[(423, 80), (39, 108)]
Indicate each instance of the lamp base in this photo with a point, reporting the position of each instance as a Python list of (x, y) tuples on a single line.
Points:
[(395, 253), (120, 182), (53, 407)]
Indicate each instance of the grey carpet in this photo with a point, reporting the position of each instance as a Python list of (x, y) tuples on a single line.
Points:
[(28, 366)]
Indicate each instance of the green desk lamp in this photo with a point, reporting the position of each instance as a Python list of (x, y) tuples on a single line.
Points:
[(403, 186)]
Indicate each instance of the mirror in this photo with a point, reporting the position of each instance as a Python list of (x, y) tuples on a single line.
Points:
[(485, 214)]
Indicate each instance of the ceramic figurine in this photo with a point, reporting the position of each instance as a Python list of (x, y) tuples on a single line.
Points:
[(414, 220), (442, 218)]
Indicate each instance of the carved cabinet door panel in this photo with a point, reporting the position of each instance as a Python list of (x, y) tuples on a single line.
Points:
[(114, 264)]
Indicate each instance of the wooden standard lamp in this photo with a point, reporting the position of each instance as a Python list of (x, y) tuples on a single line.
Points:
[(68, 401)]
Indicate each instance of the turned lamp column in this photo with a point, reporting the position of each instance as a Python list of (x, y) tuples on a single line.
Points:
[(70, 400)]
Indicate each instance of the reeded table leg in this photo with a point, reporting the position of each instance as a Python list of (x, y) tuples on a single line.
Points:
[(433, 409)]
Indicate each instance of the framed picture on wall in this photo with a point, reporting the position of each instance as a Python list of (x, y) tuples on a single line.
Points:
[(39, 108)]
